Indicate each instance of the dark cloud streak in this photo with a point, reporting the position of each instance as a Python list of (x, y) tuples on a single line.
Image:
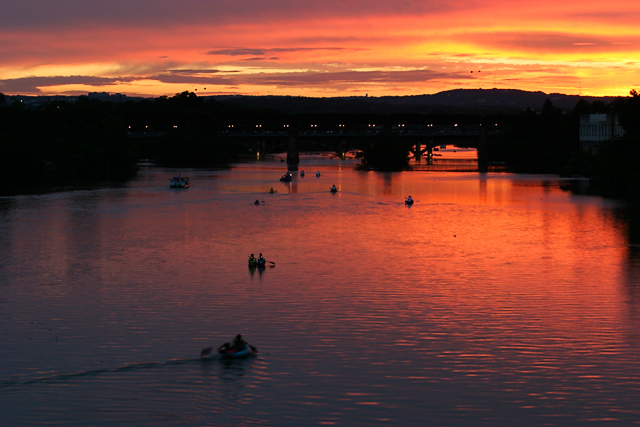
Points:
[(352, 77), (257, 52), (33, 84), (303, 79)]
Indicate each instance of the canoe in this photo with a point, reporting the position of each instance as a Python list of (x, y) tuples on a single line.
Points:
[(179, 182), (234, 354)]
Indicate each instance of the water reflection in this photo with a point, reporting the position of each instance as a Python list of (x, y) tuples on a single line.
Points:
[(494, 299)]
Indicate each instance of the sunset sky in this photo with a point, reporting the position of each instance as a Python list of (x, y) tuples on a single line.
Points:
[(317, 48)]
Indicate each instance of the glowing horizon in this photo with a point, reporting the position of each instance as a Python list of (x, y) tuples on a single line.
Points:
[(318, 49)]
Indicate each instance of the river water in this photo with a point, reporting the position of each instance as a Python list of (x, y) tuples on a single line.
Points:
[(496, 299)]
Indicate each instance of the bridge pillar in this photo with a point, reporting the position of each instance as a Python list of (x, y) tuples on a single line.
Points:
[(293, 152), (259, 148), (417, 153), (430, 153), (483, 163)]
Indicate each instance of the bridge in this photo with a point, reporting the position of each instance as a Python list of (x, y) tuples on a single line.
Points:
[(264, 134), (293, 141)]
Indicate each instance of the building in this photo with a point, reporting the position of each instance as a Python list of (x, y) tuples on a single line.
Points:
[(104, 96), (598, 128)]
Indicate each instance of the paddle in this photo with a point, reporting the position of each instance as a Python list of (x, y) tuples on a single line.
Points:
[(207, 351), (272, 263)]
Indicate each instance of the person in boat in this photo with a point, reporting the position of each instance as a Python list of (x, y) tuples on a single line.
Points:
[(272, 190), (238, 344), (257, 202), (409, 200), (333, 188), (261, 261), (252, 260)]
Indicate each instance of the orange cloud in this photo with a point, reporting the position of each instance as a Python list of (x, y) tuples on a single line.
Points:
[(318, 48)]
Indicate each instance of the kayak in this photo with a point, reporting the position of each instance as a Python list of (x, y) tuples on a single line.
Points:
[(235, 354)]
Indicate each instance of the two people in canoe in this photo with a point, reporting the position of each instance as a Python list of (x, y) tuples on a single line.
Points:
[(257, 262)]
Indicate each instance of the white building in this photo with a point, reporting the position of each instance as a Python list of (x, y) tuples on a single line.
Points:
[(597, 128)]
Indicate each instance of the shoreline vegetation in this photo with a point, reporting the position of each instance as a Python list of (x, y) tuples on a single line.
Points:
[(61, 142)]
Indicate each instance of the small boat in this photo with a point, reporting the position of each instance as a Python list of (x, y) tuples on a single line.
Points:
[(286, 177), (409, 201), (179, 182), (301, 173), (333, 189), (235, 354), (318, 174)]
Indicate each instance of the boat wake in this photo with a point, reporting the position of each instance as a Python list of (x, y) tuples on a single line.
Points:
[(95, 373)]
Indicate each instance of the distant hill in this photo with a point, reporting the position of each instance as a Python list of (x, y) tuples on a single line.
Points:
[(457, 101), (467, 101)]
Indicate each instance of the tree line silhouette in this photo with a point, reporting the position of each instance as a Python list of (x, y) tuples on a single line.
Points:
[(93, 140)]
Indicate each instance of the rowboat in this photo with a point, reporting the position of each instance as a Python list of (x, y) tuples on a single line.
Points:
[(236, 354)]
